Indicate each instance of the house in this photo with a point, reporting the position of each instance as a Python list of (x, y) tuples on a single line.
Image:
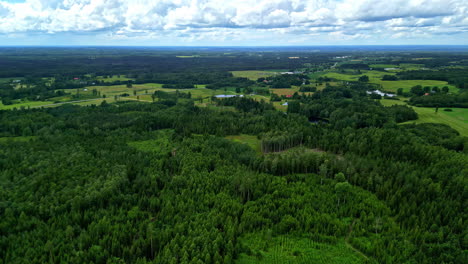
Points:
[(289, 96), (285, 103)]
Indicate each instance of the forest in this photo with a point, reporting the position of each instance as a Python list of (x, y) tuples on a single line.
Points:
[(332, 176)]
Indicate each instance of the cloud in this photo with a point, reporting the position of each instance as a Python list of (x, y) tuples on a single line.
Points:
[(205, 19)]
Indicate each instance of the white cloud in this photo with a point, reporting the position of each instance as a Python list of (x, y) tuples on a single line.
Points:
[(236, 19)]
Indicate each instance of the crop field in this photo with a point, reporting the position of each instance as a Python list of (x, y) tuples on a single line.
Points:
[(252, 75), (251, 141), (286, 249), (457, 119)]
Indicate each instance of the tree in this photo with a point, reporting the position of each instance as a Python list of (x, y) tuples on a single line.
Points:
[(417, 90), (364, 78)]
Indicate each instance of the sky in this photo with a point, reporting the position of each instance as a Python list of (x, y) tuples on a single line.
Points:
[(233, 22)]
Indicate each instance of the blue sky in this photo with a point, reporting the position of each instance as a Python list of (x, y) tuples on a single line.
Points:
[(233, 23)]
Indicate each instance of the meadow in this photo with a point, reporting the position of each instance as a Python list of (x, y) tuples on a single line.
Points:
[(457, 119)]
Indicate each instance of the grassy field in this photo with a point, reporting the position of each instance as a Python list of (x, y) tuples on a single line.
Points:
[(457, 119), (287, 249), (407, 84), (251, 141), (252, 75), (376, 77), (25, 104)]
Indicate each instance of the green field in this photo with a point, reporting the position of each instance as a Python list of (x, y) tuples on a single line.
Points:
[(25, 104), (407, 84), (251, 141), (376, 77), (252, 75), (287, 249), (457, 119)]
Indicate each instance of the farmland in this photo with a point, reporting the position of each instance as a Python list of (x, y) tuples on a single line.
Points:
[(457, 118)]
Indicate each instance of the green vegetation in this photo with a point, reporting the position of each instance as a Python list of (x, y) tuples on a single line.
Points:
[(252, 75), (113, 78), (156, 169), (16, 139), (287, 249), (457, 118), (251, 141)]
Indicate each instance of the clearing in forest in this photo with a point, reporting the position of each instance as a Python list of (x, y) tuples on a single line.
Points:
[(251, 141), (287, 249)]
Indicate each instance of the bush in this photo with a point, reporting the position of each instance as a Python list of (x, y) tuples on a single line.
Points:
[(448, 110)]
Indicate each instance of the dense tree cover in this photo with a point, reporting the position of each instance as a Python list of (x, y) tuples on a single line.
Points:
[(441, 100), (125, 189), (78, 62), (438, 135), (349, 107), (387, 77), (157, 182)]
